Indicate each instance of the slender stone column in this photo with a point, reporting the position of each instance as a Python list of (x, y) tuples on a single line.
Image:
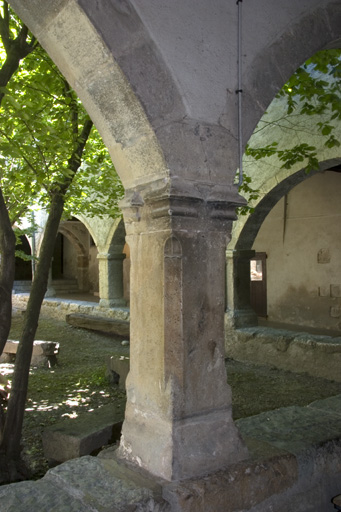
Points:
[(239, 312), (111, 279), (178, 421), (50, 292), (83, 272)]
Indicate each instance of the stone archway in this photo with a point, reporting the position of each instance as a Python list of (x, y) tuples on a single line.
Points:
[(159, 81), (239, 312), (81, 265)]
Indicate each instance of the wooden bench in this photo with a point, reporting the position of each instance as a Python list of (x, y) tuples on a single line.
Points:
[(97, 323), (44, 353)]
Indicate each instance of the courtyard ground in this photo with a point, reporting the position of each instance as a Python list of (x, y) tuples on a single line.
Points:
[(79, 383)]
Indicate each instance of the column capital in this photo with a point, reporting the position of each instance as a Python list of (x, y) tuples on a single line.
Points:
[(181, 204), (106, 256)]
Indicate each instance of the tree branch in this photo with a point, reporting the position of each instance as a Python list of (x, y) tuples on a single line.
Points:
[(4, 28)]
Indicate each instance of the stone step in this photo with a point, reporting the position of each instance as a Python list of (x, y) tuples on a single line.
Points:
[(22, 286), (59, 285), (65, 285), (90, 431)]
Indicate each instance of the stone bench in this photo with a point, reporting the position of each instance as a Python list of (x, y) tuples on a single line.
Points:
[(97, 323), (84, 435), (44, 353)]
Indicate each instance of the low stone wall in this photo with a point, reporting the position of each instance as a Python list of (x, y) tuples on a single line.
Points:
[(59, 308), (319, 356)]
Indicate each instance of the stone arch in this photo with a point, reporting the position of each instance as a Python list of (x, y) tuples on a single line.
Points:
[(82, 55), (309, 32), (190, 131), (239, 312), (253, 223), (82, 263), (190, 156)]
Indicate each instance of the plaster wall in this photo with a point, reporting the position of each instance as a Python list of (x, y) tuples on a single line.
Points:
[(303, 247)]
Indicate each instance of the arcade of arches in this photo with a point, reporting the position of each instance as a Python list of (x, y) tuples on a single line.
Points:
[(159, 80)]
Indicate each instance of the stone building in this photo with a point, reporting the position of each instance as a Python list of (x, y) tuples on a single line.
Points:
[(165, 84)]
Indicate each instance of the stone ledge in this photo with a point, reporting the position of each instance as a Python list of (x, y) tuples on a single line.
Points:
[(300, 352), (58, 308)]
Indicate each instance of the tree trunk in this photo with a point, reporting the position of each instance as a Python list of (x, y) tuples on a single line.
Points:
[(10, 449), (11, 465), (7, 268)]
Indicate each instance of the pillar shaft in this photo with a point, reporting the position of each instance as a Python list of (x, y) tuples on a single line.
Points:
[(178, 421), (239, 312), (111, 279)]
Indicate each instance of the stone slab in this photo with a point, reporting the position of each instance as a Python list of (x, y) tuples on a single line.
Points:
[(293, 429), (88, 484), (90, 431), (333, 403), (97, 323)]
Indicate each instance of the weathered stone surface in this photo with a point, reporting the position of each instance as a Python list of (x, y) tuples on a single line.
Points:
[(95, 323), (72, 438), (237, 488), (88, 484), (293, 429)]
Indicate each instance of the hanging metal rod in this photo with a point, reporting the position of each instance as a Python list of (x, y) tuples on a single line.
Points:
[(239, 91)]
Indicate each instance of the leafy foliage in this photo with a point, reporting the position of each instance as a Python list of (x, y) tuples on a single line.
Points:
[(48, 155), (314, 90), (41, 122)]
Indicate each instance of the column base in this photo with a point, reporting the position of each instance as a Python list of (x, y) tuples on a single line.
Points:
[(187, 448), (50, 292), (112, 303), (238, 318)]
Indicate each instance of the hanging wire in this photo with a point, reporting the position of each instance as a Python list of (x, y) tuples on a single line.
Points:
[(239, 91)]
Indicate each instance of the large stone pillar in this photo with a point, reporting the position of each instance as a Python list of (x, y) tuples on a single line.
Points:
[(110, 269), (239, 312), (178, 421)]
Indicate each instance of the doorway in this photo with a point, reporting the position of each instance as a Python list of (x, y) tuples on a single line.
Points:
[(258, 296)]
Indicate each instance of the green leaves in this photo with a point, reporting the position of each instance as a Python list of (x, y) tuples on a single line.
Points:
[(41, 145), (313, 91)]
